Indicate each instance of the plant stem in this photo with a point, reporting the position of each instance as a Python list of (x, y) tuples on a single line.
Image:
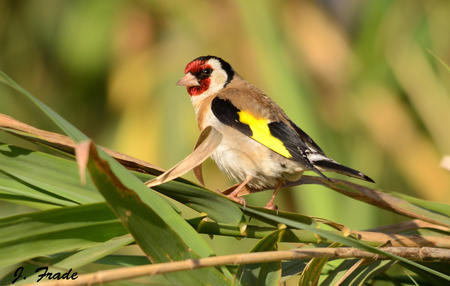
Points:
[(413, 253)]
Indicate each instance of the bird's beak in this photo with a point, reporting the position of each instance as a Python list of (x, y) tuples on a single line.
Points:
[(188, 80)]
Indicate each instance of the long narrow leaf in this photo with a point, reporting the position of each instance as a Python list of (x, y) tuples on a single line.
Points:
[(437, 207), (217, 207), (28, 173), (11, 189), (66, 144), (26, 236), (263, 273), (161, 233), (348, 241), (46, 177), (311, 274), (365, 272), (158, 218), (378, 198), (85, 256)]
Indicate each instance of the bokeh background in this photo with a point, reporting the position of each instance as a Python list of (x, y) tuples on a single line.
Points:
[(363, 78)]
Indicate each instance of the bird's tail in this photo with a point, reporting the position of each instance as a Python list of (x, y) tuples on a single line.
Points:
[(325, 164)]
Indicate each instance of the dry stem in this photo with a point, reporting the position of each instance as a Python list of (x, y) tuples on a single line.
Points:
[(418, 254)]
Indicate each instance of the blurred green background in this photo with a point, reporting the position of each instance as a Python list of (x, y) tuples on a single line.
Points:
[(359, 76)]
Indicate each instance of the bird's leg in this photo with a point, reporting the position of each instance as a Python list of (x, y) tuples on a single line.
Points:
[(234, 194), (270, 205)]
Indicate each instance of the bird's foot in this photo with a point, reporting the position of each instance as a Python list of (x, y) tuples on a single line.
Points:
[(271, 203), (237, 199), (271, 206)]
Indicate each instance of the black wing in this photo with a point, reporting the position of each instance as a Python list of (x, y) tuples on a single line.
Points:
[(292, 140), (299, 145), (305, 137)]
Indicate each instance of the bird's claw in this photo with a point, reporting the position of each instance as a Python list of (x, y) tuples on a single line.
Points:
[(271, 206), (239, 200)]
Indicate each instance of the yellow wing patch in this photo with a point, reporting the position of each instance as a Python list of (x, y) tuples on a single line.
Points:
[(261, 133)]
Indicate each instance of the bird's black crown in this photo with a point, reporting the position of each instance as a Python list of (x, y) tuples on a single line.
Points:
[(225, 66)]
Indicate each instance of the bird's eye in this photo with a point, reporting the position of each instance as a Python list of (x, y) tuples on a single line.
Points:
[(204, 73), (207, 71)]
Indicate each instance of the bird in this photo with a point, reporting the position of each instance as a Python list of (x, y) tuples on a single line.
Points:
[(261, 147)]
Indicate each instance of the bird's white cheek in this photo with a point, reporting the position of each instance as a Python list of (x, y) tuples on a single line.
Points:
[(219, 79)]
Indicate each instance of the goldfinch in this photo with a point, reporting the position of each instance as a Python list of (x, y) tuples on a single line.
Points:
[(261, 147)]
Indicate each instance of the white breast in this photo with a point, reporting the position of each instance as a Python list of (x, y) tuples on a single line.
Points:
[(239, 156)]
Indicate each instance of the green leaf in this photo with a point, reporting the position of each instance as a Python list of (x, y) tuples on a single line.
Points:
[(85, 256), (346, 274), (438, 207), (149, 205), (216, 206), (12, 190), (26, 236), (123, 260), (348, 241), (44, 177), (336, 274), (252, 231), (378, 198), (292, 267), (412, 279), (287, 215), (311, 274), (152, 226), (366, 272), (437, 266), (161, 233), (263, 273), (65, 146)]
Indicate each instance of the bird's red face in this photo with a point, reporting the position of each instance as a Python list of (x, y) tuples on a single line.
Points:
[(197, 77), (205, 76)]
